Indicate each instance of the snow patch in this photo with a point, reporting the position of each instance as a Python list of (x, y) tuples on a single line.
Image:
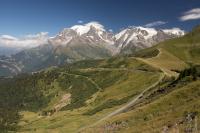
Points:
[(120, 34), (151, 32), (133, 36), (175, 31), (82, 29)]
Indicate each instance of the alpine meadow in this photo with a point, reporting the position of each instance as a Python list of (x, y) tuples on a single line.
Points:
[(100, 66)]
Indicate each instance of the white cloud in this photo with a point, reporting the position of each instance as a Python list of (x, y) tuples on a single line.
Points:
[(110, 30), (28, 41), (84, 28), (39, 35), (175, 31), (156, 23), (191, 15), (8, 37), (80, 21)]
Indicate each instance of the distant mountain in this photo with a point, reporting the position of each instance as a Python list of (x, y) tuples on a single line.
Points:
[(10, 45), (36, 58), (8, 66), (81, 42), (126, 41), (154, 90), (84, 41), (135, 38)]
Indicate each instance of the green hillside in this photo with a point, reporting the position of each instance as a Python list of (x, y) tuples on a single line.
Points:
[(154, 90), (102, 86), (186, 48), (172, 106)]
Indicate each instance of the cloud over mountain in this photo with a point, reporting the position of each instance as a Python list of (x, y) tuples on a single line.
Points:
[(191, 15), (28, 41), (154, 24)]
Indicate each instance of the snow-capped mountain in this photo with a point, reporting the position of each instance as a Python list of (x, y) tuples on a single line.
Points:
[(135, 38), (126, 41), (95, 32), (80, 42), (91, 33)]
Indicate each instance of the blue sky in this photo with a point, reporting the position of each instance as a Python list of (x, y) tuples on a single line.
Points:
[(20, 17)]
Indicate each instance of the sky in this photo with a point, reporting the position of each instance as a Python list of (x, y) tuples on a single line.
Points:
[(22, 17)]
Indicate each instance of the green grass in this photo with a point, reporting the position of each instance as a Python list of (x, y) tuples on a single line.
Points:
[(148, 53), (99, 87), (185, 48), (166, 110), (166, 106), (107, 84), (108, 104)]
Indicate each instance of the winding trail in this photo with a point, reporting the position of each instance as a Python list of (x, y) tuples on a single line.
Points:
[(128, 105), (133, 101), (138, 97), (89, 79), (149, 61), (165, 71)]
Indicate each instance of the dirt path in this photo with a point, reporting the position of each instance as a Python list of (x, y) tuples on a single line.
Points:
[(135, 99), (65, 100), (167, 72), (128, 105), (104, 69), (132, 102), (89, 79)]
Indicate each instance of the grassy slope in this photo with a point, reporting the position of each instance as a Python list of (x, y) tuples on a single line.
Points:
[(167, 62), (118, 85), (186, 48), (109, 84), (167, 110), (171, 109)]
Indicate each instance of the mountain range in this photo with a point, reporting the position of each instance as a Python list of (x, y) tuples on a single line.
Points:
[(79, 42), (156, 89)]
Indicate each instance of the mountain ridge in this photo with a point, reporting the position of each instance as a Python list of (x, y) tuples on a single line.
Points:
[(154, 89), (86, 41), (93, 31)]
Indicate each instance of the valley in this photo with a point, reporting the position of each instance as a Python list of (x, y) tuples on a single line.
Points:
[(99, 66), (155, 89)]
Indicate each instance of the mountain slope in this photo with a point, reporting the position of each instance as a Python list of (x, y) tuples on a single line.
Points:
[(8, 67), (169, 107), (90, 89), (89, 35), (67, 47), (174, 111), (81, 42), (133, 39), (74, 97), (185, 48)]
